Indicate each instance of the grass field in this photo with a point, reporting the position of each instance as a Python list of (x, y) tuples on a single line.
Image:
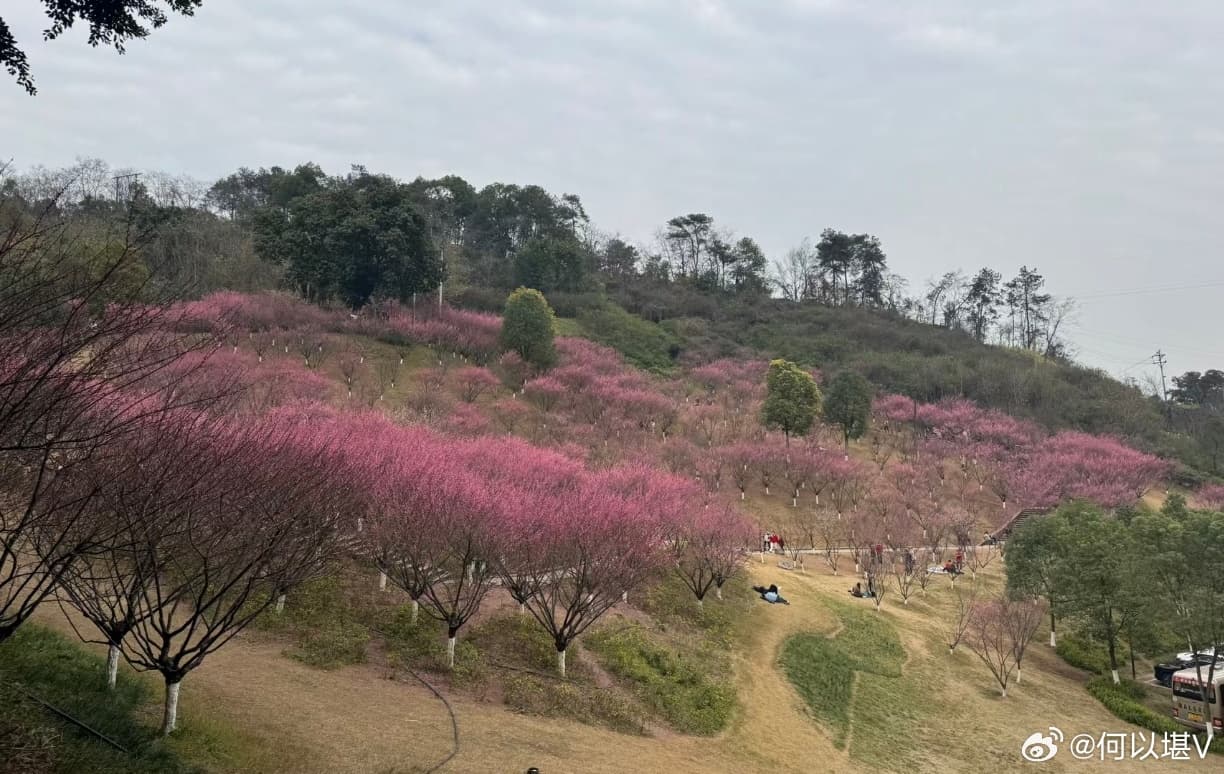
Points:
[(253, 707)]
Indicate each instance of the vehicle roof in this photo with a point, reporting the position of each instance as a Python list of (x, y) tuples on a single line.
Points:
[(1190, 673)]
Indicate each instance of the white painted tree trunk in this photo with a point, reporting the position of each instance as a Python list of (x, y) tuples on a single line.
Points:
[(412, 617), (522, 608), (701, 604), (112, 666), (1114, 674), (1053, 640), (1017, 675), (170, 717), (718, 592), (624, 596), (280, 604), (382, 581), (1004, 692), (450, 652), (741, 494), (561, 662)]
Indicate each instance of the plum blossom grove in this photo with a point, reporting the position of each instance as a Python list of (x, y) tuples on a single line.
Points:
[(286, 435)]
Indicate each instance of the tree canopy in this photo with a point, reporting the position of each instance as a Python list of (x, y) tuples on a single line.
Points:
[(527, 327), (792, 399), (847, 404), (111, 23), (353, 240)]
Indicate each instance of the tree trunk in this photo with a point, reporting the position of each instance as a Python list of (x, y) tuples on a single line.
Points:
[(1114, 674), (1017, 674), (280, 604), (561, 663), (382, 581), (412, 617), (625, 597), (718, 592), (170, 717), (1053, 638), (112, 665), (700, 603), (450, 651), (1004, 692)]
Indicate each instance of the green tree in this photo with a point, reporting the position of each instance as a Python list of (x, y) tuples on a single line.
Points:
[(870, 263), (792, 399), (1183, 550), (1106, 578), (847, 404), (1033, 552), (358, 238), (111, 23), (527, 327), (551, 263)]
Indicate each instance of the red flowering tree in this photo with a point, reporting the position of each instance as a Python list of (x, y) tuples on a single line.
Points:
[(707, 548)]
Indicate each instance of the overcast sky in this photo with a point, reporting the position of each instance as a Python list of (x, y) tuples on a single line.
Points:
[(1083, 138)]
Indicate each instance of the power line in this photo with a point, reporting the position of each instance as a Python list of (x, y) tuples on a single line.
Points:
[(1145, 291)]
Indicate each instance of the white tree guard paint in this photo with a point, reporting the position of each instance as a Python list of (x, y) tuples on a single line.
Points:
[(112, 665), (382, 581), (561, 662), (718, 592), (170, 718), (1114, 674), (280, 604), (450, 652), (413, 616), (1053, 639)]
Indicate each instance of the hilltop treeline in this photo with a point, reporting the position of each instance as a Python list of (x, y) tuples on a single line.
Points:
[(700, 290)]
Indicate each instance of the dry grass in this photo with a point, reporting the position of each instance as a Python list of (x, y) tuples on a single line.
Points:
[(943, 713)]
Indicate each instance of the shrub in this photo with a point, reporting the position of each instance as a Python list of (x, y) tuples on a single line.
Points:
[(527, 327), (1086, 654), (334, 646), (677, 687)]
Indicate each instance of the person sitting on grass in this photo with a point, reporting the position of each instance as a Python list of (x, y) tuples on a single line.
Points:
[(857, 591)]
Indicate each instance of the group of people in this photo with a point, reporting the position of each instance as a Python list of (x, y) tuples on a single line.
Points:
[(772, 543)]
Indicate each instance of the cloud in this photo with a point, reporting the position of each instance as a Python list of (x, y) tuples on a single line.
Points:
[(962, 132), (951, 39)]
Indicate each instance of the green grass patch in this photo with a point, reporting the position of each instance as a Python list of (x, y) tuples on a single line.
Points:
[(518, 641), (823, 669), (643, 343), (692, 692), (725, 622), (67, 676), (322, 619)]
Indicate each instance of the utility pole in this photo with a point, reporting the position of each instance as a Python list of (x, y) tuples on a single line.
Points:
[(122, 184), (1160, 360)]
